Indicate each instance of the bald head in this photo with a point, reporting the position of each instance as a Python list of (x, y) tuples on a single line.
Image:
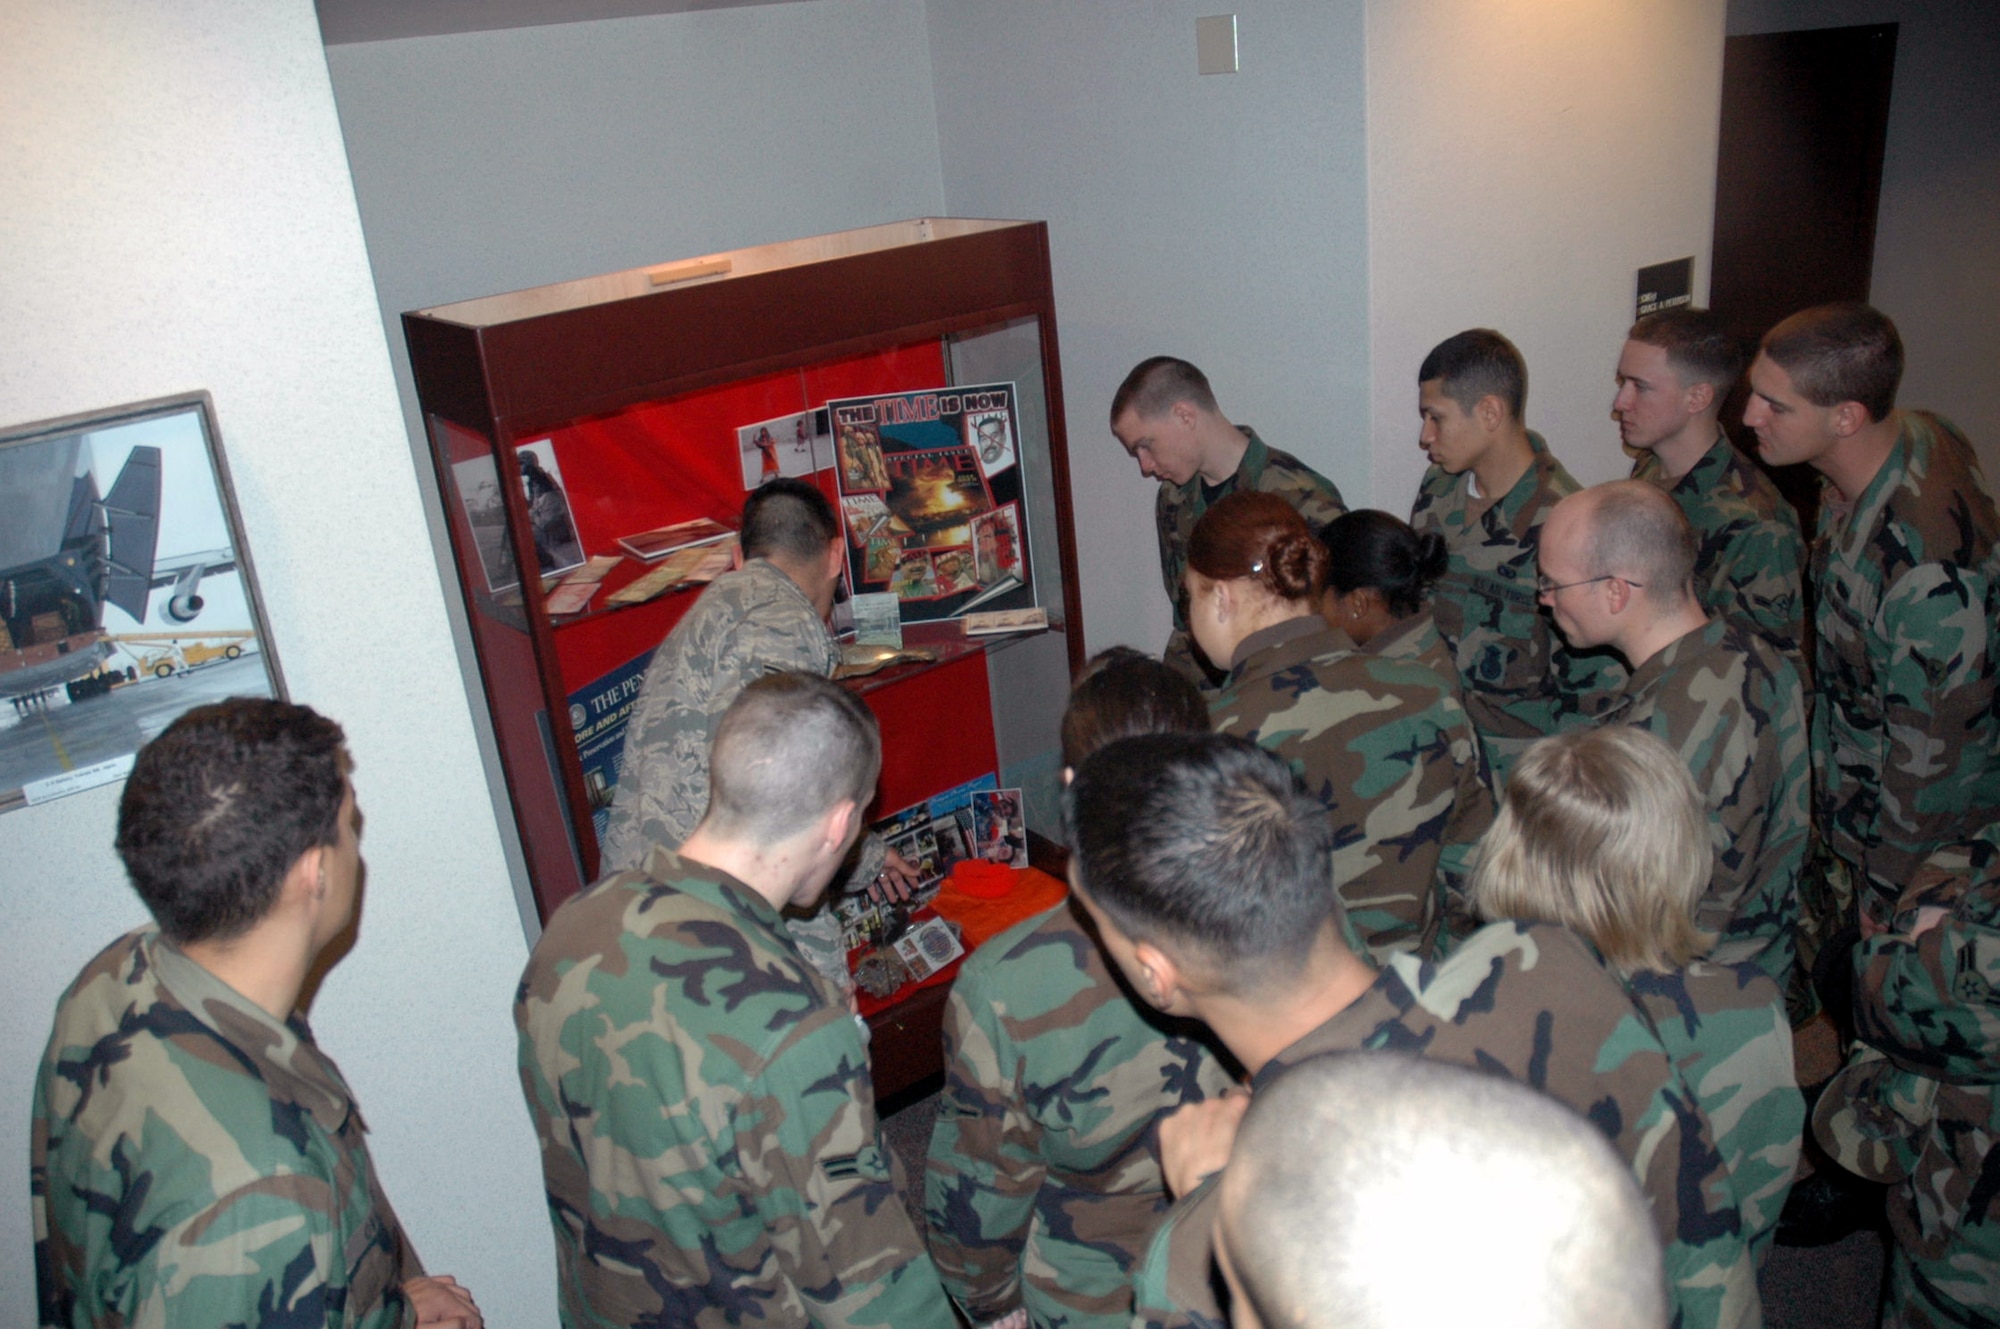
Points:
[(1617, 568), (1351, 1170)]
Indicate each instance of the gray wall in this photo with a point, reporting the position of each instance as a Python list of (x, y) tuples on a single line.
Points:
[(1216, 217), (177, 214), (1937, 239)]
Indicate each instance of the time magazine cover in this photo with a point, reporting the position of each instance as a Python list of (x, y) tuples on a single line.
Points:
[(932, 494)]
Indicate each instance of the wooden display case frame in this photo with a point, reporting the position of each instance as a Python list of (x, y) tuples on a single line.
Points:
[(511, 368)]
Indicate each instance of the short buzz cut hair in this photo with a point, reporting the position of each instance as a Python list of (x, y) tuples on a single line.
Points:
[(1207, 846), (1602, 831), (1477, 363), (1637, 531), (1156, 384), (221, 805), (788, 748), (1345, 1164), (1699, 346), (1837, 353), (790, 518)]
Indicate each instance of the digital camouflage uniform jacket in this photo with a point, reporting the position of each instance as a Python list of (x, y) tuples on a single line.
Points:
[(1263, 470), (747, 624), (1533, 1002), (1750, 565), (1731, 706), (1726, 1029), (1385, 746), (1905, 735), (1043, 1184), (1919, 1103), (1520, 682), (196, 1162), (707, 1126)]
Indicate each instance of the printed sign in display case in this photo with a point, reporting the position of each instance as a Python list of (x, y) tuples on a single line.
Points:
[(594, 442)]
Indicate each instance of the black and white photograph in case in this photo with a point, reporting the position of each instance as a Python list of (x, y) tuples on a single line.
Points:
[(126, 594), (478, 481), (556, 547)]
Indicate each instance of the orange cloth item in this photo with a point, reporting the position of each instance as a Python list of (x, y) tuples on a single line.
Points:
[(979, 921)]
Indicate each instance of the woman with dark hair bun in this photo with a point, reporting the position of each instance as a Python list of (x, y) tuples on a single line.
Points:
[(1382, 742), (1379, 579)]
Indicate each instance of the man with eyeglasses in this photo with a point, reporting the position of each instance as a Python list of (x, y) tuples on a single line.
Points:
[(1616, 569)]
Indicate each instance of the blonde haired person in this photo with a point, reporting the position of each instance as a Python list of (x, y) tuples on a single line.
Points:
[(1601, 830)]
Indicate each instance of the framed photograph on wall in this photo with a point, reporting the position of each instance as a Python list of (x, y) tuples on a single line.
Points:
[(126, 591)]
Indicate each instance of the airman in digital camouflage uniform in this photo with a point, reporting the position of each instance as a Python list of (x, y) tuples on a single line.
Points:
[(768, 616), (196, 1159), (1165, 416), (1193, 858), (701, 1094), (1676, 368), (1919, 1103), (1317, 1228), (1043, 1186), (1616, 570), (1906, 567), (1602, 831), (1490, 486)]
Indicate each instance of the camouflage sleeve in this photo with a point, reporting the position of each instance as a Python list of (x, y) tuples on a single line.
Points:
[(1320, 502), (1166, 525), (1938, 713), (181, 1232), (985, 1166), (1758, 577), (1928, 1002), (1726, 1028), (823, 1182), (1174, 1287)]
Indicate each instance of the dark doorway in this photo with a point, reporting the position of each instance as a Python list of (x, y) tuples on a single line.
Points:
[(1798, 175)]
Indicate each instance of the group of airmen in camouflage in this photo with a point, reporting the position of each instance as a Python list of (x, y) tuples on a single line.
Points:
[(1528, 785)]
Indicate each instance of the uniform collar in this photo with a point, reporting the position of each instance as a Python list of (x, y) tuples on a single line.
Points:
[(280, 1052)]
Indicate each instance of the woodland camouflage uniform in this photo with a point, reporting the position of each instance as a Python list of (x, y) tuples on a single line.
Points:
[(1043, 1187), (1726, 1029), (1263, 470), (1724, 699), (1384, 745), (197, 1162), (707, 1126), (1531, 1001), (1919, 1103), (747, 624), (1520, 683), (1750, 562), (1905, 736)]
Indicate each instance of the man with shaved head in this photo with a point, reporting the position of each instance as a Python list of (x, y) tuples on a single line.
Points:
[(1617, 569), (1329, 1210), (708, 1133)]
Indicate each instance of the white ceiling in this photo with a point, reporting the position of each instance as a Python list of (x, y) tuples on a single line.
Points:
[(344, 21)]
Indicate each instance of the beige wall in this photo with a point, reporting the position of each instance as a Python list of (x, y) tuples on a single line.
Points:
[(1525, 159)]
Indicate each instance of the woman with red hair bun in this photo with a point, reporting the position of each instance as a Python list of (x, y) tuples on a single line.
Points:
[(1381, 742)]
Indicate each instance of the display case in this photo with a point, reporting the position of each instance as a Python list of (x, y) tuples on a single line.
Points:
[(569, 423)]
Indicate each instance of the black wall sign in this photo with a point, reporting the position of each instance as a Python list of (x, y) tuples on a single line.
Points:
[(1665, 286)]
